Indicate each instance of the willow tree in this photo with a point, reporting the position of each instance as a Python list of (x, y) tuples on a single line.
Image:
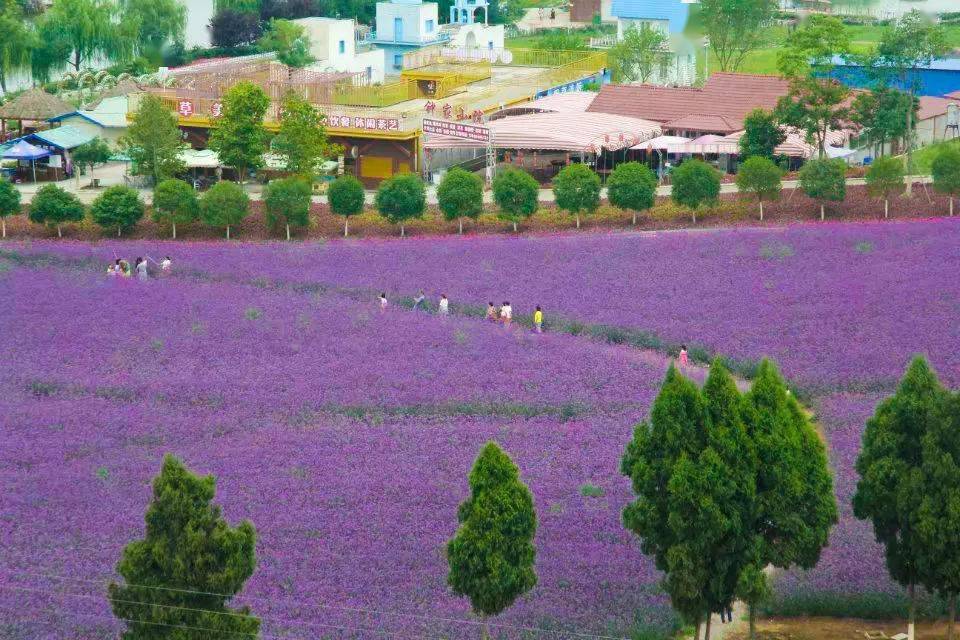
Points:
[(88, 29), (16, 45)]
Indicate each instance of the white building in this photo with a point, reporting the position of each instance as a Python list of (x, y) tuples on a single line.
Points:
[(669, 17), (333, 43), (199, 14)]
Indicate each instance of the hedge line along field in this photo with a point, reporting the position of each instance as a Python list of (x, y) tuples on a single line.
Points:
[(344, 434), (841, 307)]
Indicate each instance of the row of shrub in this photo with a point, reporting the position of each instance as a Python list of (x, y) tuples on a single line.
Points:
[(401, 199)]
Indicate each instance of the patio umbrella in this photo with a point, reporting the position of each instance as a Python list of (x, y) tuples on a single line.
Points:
[(23, 150)]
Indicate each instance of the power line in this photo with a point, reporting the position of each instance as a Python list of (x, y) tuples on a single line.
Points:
[(336, 608)]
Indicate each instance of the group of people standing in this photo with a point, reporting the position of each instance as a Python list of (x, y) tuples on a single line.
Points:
[(121, 267), (502, 315)]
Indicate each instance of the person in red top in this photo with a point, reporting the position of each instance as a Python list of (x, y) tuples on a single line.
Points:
[(683, 356)]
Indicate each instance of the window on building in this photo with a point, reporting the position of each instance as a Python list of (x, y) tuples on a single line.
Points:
[(342, 46), (369, 73), (397, 60), (429, 26)]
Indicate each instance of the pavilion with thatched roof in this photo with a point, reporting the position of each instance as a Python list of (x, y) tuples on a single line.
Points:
[(33, 104)]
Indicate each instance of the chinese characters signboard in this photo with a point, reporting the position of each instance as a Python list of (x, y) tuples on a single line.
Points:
[(185, 108), (457, 130), (368, 123)]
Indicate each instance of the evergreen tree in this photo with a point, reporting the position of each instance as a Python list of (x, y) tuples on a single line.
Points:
[(491, 557), (401, 198), (761, 135), (187, 566), (175, 201), (795, 507), (460, 195), (884, 178), (302, 140), (632, 186), (516, 193), (225, 204), (946, 173), (287, 203), (695, 183), (9, 202), (892, 487), (761, 177), (577, 189), (346, 198), (53, 206), (90, 154), (239, 138), (153, 140), (119, 207)]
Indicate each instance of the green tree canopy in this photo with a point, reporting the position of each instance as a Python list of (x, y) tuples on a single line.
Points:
[(816, 106), (87, 29), (187, 566), (813, 46), (892, 487), (90, 154), (516, 193), (639, 55), (576, 189), (695, 183), (946, 172), (9, 203), (795, 506), (761, 135), (239, 137), (401, 198), (160, 22), (346, 197), (302, 140), (491, 557), (287, 203), (225, 204), (18, 43), (175, 202), (632, 186), (885, 178), (460, 195), (153, 140), (760, 176), (824, 180), (119, 207), (53, 206), (882, 115), (290, 41), (736, 27)]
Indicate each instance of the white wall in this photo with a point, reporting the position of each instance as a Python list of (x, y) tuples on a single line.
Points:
[(415, 18), (326, 34), (624, 24), (483, 36), (109, 134)]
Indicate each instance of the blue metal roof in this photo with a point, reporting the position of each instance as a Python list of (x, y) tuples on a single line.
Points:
[(673, 10)]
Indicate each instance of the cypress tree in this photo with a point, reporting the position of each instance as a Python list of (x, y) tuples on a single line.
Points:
[(491, 557), (188, 556), (795, 506), (904, 439)]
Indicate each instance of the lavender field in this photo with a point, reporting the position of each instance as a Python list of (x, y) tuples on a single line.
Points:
[(346, 435)]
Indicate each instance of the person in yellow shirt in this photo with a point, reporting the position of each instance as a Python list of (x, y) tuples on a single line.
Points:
[(538, 320)]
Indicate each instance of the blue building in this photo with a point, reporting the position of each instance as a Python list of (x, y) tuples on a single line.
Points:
[(938, 79), (465, 11), (403, 26), (669, 17)]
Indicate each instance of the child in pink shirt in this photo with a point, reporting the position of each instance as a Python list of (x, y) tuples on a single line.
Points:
[(683, 356)]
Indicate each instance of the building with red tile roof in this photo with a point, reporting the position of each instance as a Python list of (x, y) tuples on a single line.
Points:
[(718, 107)]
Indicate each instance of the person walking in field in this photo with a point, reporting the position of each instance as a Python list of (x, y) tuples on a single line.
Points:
[(419, 300), (491, 312), (166, 264), (383, 302), (444, 307), (506, 313), (684, 361), (538, 320), (142, 268)]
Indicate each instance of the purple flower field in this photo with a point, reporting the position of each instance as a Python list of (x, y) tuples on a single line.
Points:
[(346, 435), (839, 305)]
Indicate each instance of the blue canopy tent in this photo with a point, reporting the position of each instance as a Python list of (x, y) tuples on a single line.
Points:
[(23, 150)]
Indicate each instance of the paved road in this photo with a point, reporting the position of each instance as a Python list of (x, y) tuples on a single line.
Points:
[(113, 174)]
